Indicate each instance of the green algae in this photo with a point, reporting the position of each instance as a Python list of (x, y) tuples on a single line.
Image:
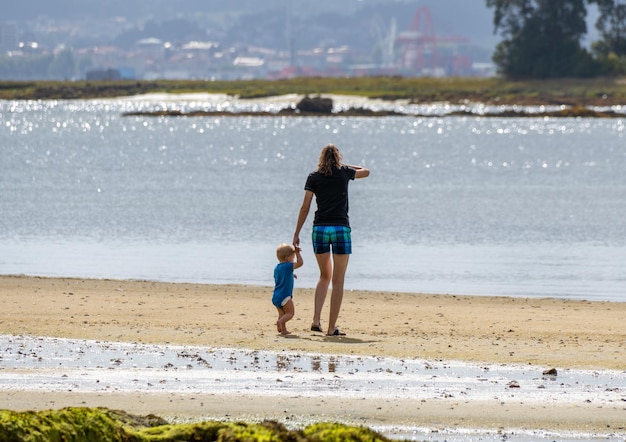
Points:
[(81, 424), (333, 432), (66, 424)]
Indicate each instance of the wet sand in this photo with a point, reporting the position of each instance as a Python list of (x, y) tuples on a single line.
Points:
[(539, 333)]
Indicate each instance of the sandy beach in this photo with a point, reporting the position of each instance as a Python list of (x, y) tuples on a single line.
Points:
[(541, 333)]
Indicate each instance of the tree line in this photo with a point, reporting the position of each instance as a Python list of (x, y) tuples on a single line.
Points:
[(542, 38)]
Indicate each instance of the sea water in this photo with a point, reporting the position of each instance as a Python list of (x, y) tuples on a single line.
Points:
[(463, 205)]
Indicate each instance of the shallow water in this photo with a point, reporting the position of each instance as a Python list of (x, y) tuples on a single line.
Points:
[(52, 364), (463, 205)]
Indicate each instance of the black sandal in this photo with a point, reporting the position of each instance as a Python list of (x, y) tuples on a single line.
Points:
[(337, 332), (317, 328)]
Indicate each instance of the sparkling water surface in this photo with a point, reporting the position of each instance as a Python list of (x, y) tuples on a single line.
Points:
[(463, 205)]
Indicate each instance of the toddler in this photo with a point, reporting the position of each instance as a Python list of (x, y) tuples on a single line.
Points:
[(289, 259)]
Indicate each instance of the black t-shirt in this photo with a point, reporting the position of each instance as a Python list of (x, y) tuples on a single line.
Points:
[(331, 196)]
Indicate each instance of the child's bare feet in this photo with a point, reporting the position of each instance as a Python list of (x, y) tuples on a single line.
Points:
[(282, 328)]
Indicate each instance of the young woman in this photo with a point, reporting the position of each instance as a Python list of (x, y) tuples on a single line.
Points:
[(331, 230)]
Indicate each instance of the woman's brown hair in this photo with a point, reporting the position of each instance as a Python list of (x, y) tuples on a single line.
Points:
[(330, 159)]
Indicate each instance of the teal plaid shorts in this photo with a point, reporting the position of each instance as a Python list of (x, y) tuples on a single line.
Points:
[(337, 237)]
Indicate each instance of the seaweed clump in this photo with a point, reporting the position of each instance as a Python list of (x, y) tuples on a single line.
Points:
[(333, 432), (81, 424)]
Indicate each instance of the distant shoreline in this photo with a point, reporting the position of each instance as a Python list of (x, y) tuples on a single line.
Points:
[(572, 93)]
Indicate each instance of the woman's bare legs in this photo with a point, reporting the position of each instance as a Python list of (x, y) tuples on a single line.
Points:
[(330, 271), (321, 289), (340, 265)]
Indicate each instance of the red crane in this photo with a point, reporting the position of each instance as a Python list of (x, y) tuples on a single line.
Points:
[(421, 52)]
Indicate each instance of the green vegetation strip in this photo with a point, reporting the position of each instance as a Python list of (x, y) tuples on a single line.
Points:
[(104, 425), (571, 92)]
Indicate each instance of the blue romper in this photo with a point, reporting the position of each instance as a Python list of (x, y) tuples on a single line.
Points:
[(283, 283)]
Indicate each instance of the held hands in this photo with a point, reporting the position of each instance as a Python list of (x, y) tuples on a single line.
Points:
[(298, 258), (298, 262)]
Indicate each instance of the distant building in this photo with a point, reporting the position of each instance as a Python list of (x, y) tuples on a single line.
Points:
[(200, 46), (153, 48), (484, 69), (127, 73), (8, 37)]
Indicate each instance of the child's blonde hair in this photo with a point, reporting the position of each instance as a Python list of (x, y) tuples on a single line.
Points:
[(284, 251)]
